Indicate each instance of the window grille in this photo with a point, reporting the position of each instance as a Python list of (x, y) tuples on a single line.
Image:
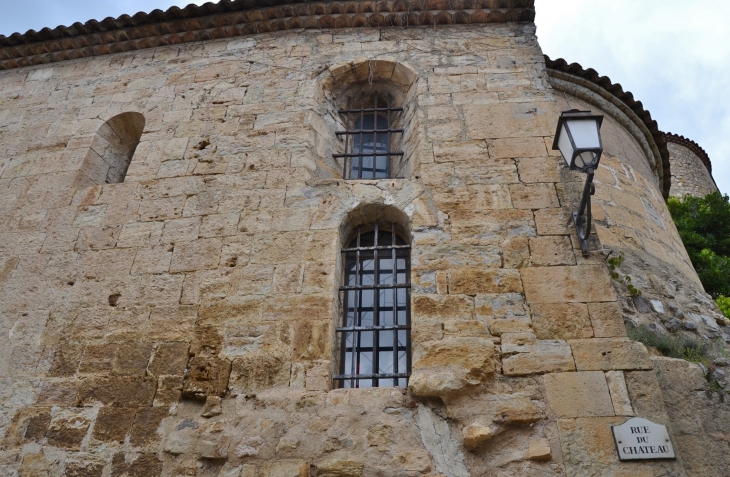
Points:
[(368, 145), (375, 336)]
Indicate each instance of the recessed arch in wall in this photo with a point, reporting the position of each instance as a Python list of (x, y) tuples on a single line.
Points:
[(111, 150), (363, 82)]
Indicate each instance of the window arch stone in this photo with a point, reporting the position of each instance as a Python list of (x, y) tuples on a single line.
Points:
[(374, 325), (111, 150), (351, 84)]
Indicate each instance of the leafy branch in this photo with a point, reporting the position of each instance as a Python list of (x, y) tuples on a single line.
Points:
[(613, 264)]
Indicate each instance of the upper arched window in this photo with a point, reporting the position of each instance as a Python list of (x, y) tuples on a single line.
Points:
[(111, 151), (372, 138), (375, 331)]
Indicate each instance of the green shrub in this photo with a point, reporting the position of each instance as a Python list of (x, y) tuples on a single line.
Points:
[(704, 226), (685, 347), (723, 302)]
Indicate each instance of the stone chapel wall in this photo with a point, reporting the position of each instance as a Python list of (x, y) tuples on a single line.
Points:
[(182, 322)]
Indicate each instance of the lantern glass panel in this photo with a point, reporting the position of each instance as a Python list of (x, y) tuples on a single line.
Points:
[(565, 146), (587, 158), (585, 133)]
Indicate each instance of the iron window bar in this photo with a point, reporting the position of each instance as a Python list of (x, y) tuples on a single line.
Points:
[(342, 377), (375, 287), (375, 335), (369, 328), (383, 247), (368, 152)]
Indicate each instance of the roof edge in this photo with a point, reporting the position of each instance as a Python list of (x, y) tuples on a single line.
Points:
[(232, 18), (627, 98)]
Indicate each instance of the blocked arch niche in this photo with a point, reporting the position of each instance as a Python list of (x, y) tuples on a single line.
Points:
[(351, 84), (111, 150)]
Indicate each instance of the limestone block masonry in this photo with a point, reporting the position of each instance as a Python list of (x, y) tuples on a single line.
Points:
[(691, 168), (182, 321)]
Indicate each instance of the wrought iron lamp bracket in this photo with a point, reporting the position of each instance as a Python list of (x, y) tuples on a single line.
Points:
[(582, 218)]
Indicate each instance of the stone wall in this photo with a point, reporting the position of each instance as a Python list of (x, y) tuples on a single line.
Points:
[(182, 322), (632, 219), (699, 413), (689, 175)]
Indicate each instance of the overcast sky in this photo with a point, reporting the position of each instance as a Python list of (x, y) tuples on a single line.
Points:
[(674, 55)]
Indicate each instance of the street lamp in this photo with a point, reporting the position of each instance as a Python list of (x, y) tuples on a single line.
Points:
[(578, 137)]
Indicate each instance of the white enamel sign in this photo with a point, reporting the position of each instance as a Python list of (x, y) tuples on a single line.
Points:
[(639, 439)]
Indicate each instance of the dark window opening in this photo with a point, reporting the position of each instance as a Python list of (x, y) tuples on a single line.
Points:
[(375, 336), (369, 144)]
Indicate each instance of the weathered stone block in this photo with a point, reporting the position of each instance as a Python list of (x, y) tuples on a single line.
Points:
[(518, 343), (422, 331), (581, 394), (83, 469), (551, 251), (476, 281), (515, 252), (539, 449), (607, 320), (533, 196), (539, 169), (97, 359), (146, 423), (206, 376), (169, 359), (259, 371), (520, 410), (119, 391), (239, 309), (29, 424), (561, 321), (545, 357), (465, 328), (474, 355), (476, 434), (142, 465), (609, 354), (68, 428), (446, 366), (619, 393), (132, 358), (296, 307), (152, 260), (588, 447), (59, 393), (66, 360), (443, 307), (507, 120), (202, 254), (113, 424), (312, 340), (340, 468), (286, 468), (554, 222), (169, 390), (583, 283), (517, 147), (109, 263)]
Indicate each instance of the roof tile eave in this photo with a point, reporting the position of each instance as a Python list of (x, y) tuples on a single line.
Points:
[(617, 91)]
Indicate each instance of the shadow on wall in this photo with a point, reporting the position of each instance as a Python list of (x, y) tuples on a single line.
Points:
[(111, 151)]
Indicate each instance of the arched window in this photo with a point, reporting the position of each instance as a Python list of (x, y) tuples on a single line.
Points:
[(370, 145), (375, 331), (111, 151)]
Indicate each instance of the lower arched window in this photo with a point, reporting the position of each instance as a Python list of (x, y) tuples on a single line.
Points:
[(375, 331)]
